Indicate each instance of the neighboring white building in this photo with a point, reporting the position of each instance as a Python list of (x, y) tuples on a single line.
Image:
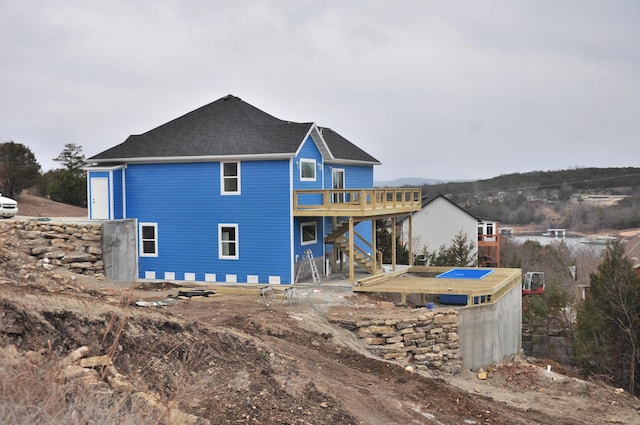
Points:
[(440, 220)]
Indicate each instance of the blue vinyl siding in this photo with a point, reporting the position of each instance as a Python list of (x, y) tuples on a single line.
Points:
[(318, 247), (185, 201), (309, 150), (355, 176), (118, 195)]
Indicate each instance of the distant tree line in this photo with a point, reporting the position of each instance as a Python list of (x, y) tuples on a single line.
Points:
[(521, 198), (579, 179), (20, 170), (624, 215)]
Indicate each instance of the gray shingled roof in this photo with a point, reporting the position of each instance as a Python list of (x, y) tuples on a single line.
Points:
[(226, 127), (342, 149)]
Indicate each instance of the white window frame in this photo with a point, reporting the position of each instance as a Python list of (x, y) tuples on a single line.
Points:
[(142, 240), (224, 178), (338, 197), (308, 161), (308, 224), (221, 255), (489, 229)]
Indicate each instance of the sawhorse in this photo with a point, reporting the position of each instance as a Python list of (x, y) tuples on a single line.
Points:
[(265, 294), (290, 294)]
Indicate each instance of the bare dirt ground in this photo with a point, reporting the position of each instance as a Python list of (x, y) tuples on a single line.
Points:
[(230, 358), (34, 206)]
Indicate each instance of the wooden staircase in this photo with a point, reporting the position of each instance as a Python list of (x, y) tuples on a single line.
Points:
[(361, 257)]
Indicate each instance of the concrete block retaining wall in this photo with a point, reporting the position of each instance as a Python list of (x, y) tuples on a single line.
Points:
[(74, 246), (423, 339)]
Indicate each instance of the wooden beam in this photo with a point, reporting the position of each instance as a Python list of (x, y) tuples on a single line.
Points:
[(410, 237), (393, 244), (334, 254), (352, 273), (374, 250)]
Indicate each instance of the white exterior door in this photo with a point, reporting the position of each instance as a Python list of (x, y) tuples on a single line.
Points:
[(99, 198)]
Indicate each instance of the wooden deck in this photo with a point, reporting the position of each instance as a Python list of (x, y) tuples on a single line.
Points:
[(356, 202), (421, 280)]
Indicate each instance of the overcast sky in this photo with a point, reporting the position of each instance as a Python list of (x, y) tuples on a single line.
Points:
[(433, 89)]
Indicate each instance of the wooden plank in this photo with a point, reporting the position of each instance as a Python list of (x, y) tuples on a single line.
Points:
[(359, 202), (492, 287)]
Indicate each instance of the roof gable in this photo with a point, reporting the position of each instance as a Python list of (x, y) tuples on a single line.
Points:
[(228, 127), (427, 202)]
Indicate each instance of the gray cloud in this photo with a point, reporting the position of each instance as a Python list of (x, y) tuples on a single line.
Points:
[(449, 90)]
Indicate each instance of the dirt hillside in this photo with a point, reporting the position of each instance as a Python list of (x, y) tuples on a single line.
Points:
[(35, 206), (82, 351)]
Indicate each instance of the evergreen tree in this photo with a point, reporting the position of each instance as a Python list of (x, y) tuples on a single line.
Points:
[(69, 184), (608, 328), (460, 253), (384, 244), (72, 158)]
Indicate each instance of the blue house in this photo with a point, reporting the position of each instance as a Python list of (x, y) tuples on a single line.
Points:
[(228, 193)]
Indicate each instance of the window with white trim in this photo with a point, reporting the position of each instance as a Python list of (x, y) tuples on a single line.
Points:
[(307, 170), (148, 239), (230, 178), (308, 233), (228, 241)]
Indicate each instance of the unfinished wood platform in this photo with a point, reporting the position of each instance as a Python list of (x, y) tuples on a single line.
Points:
[(421, 280)]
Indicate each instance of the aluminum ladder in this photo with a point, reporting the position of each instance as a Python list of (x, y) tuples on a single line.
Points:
[(308, 256)]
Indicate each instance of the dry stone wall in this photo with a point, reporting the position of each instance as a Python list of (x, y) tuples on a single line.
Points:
[(422, 339), (75, 246)]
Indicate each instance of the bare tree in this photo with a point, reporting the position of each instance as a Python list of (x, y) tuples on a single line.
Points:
[(18, 168)]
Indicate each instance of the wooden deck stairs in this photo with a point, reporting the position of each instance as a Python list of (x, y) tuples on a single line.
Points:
[(361, 256)]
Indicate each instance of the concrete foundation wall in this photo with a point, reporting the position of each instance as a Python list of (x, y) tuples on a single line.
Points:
[(119, 250), (491, 333)]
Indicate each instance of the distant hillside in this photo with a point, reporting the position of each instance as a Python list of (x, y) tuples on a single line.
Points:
[(579, 179), (550, 198), (406, 181)]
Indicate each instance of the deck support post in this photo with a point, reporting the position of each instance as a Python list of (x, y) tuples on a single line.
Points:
[(393, 243), (374, 250), (352, 274), (334, 253), (410, 237)]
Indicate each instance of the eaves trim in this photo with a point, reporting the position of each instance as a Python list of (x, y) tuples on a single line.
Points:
[(89, 167), (352, 162), (196, 158)]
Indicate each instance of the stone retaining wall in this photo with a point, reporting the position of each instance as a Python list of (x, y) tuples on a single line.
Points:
[(423, 339), (74, 246)]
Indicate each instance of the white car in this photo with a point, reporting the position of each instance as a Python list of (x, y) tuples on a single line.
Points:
[(8, 207)]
